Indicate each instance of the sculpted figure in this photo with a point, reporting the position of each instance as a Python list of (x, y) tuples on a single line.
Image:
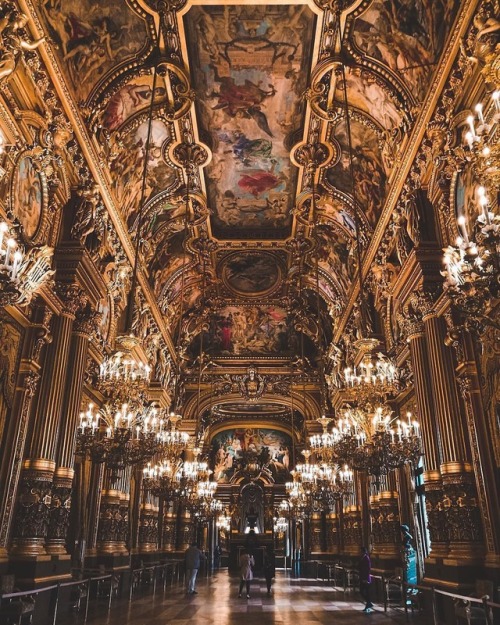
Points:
[(12, 41)]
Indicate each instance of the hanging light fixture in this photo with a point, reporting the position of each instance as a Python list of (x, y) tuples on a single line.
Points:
[(21, 274), (472, 265), (128, 436)]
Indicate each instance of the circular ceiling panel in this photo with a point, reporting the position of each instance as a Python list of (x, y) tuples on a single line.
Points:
[(251, 274)]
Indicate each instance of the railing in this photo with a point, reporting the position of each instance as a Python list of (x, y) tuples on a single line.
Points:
[(139, 578), (471, 609)]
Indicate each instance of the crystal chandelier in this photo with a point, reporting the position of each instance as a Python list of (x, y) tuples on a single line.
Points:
[(121, 374), (280, 525), (126, 437), (159, 480), (21, 275), (374, 374), (173, 441), (472, 265), (223, 522), (373, 442)]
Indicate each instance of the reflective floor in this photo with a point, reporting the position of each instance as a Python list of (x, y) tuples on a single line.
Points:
[(293, 602)]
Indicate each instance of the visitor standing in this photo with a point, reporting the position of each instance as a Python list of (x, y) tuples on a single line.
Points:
[(365, 578), (269, 567), (246, 573), (192, 560)]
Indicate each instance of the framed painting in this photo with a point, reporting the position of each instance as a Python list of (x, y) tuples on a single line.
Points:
[(29, 199)]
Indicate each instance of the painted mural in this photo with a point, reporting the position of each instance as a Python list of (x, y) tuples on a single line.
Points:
[(127, 169), (250, 330), (131, 98), (250, 67), (231, 449), (92, 37), (407, 36), (27, 196), (251, 273), (369, 173), (365, 94)]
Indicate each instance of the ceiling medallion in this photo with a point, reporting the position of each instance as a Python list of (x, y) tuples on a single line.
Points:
[(251, 274)]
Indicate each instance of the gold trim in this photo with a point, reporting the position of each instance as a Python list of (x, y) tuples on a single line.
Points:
[(388, 494), (64, 472), (454, 468), (39, 464), (431, 476)]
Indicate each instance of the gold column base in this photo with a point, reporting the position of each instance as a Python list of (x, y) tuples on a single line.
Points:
[(56, 546), (28, 547), (438, 551), (111, 547)]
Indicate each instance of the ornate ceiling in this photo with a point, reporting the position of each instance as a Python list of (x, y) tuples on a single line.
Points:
[(249, 116)]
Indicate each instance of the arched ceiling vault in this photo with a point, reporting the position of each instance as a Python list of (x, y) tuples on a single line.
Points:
[(248, 105)]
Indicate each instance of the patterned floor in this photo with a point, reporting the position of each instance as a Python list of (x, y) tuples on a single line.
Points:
[(293, 602)]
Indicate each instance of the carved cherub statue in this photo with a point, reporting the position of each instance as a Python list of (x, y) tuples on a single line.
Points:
[(12, 38)]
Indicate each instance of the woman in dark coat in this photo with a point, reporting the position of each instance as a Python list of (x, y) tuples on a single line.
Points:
[(269, 567), (365, 578)]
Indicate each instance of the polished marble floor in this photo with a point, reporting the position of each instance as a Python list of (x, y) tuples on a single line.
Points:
[(293, 602)]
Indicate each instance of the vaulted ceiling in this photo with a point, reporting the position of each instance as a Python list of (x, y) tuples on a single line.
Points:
[(249, 116)]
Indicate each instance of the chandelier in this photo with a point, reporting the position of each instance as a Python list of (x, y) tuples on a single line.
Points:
[(280, 524), (472, 265), (159, 480), (374, 374), (173, 441), (373, 442), (129, 436), (121, 374), (21, 275), (223, 521)]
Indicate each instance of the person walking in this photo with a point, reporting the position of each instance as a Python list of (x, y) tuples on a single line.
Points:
[(246, 573), (365, 579), (192, 560), (269, 567)]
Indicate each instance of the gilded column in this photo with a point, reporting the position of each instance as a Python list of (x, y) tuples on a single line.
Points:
[(413, 327), (36, 337), (482, 446), (459, 494), (32, 518), (148, 528), (169, 527), (65, 453)]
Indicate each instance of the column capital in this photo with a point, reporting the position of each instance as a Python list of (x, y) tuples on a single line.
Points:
[(72, 296), (423, 303)]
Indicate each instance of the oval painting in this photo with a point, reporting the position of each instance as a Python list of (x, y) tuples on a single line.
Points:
[(27, 197), (251, 273)]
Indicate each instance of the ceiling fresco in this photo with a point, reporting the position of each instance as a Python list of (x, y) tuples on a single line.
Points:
[(405, 36), (234, 108), (369, 171), (92, 37), (251, 330), (249, 66)]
